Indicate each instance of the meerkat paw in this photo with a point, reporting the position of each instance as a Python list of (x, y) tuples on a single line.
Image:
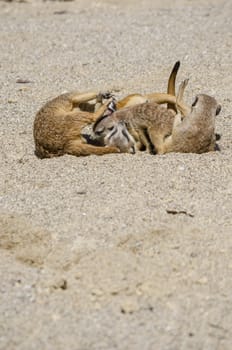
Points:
[(104, 96)]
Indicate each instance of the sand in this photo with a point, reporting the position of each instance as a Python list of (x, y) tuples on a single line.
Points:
[(120, 251)]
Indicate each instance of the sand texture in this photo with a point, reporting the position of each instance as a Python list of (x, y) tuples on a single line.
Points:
[(120, 251)]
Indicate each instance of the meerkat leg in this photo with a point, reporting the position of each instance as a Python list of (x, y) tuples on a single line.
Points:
[(132, 100), (144, 140), (81, 101), (77, 148), (134, 134), (98, 104), (99, 100), (177, 120), (163, 145), (91, 107), (161, 98), (101, 110), (182, 87), (83, 97), (89, 118), (79, 119), (88, 96), (185, 110), (138, 144)]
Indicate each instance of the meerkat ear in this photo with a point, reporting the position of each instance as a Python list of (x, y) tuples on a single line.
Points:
[(218, 110), (195, 102), (99, 131)]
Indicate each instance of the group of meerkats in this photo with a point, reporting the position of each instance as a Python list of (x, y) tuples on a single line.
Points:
[(135, 123)]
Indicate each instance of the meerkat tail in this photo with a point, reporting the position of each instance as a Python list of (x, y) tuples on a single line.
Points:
[(172, 79), (161, 98), (168, 98), (172, 84), (184, 109)]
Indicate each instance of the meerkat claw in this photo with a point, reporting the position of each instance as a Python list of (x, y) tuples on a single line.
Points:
[(106, 95)]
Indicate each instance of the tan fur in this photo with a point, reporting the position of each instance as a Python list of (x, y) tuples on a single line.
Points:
[(148, 123), (196, 132), (144, 118), (153, 126), (59, 123)]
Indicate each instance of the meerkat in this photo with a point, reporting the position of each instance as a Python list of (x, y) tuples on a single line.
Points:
[(145, 122), (196, 132), (148, 123), (139, 134), (192, 130), (59, 123)]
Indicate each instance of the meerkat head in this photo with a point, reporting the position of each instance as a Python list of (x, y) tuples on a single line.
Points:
[(121, 138), (205, 105), (105, 123), (103, 126)]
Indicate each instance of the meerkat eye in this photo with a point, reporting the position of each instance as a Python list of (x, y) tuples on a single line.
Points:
[(195, 102), (110, 128), (166, 136), (99, 132)]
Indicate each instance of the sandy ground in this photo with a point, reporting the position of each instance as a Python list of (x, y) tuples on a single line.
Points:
[(91, 257)]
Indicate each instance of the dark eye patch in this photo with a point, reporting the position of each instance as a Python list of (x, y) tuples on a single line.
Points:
[(125, 135), (110, 129), (99, 132)]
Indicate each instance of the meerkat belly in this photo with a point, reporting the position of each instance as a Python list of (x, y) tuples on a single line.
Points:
[(193, 140)]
